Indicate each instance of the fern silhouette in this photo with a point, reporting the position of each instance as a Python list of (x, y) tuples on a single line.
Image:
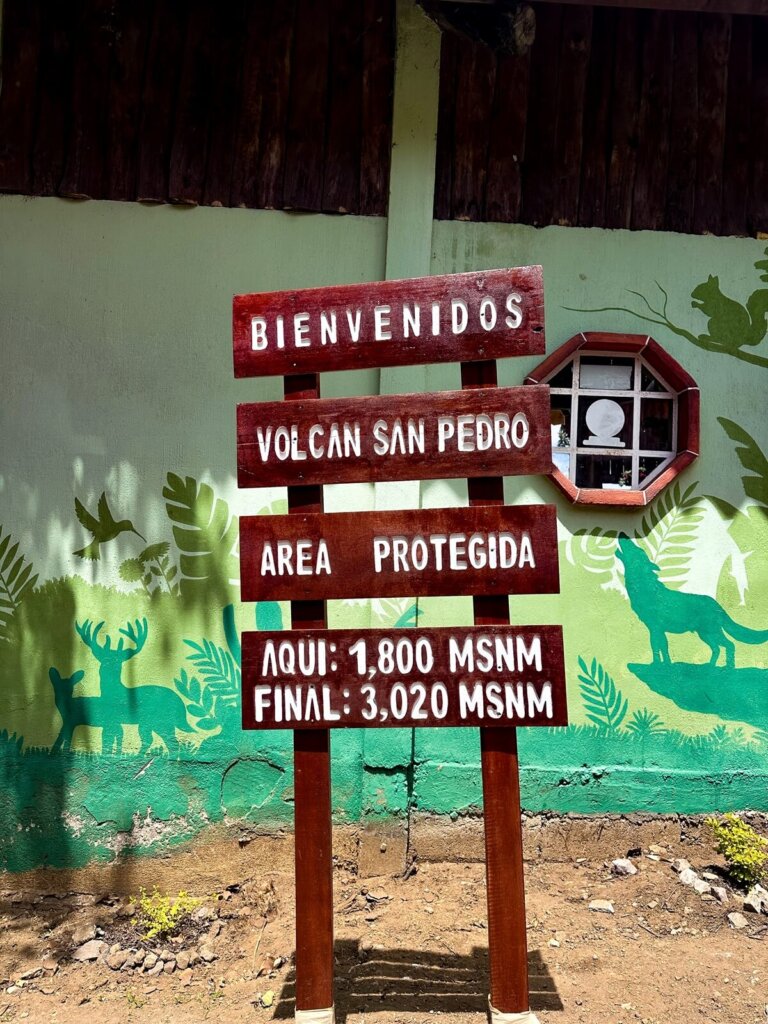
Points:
[(605, 704), (645, 723), (15, 580), (667, 532), (199, 700), (218, 669), (205, 534)]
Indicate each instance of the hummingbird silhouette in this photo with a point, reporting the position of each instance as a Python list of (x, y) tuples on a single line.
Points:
[(104, 529)]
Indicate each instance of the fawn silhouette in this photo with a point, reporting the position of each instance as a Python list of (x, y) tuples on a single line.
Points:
[(154, 709), (663, 611)]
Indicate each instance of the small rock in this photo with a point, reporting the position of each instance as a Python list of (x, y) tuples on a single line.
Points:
[(279, 961), (701, 887), (194, 957), (376, 895), (720, 893), (166, 955), (169, 967), (12, 989), (182, 959), (687, 876), (755, 902), (138, 958), (266, 964), (90, 951), (680, 864), (554, 944), (204, 913), (207, 953), (51, 965), (150, 961), (215, 929), (602, 906), (129, 910), (737, 920), (710, 876), (623, 866), (658, 851), (118, 959), (653, 904), (707, 897), (185, 976), (115, 947), (83, 934), (157, 969)]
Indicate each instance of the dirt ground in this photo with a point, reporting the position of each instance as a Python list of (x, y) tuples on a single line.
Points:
[(409, 950)]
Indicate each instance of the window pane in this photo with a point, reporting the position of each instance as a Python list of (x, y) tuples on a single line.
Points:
[(647, 466), (601, 373), (605, 422), (563, 378), (648, 382), (562, 459), (560, 418), (656, 424), (603, 471)]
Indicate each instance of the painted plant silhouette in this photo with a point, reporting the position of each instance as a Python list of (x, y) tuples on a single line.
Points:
[(732, 327)]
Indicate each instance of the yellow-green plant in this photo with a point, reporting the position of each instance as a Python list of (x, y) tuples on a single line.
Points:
[(160, 915), (745, 849)]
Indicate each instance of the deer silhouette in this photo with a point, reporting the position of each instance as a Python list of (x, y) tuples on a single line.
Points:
[(154, 709)]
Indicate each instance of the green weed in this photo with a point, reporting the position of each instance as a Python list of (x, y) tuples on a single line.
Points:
[(745, 849), (159, 915)]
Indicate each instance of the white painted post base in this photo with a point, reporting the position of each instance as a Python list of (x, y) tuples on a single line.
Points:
[(316, 1016), (497, 1017)]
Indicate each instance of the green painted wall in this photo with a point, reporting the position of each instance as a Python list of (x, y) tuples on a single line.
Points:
[(115, 334)]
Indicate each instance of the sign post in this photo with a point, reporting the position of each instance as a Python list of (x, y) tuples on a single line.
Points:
[(313, 679)]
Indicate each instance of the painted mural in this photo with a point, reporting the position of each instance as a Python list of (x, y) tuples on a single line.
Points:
[(120, 615)]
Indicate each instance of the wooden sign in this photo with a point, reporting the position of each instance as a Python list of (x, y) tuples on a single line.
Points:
[(346, 678), (485, 432), (491, 549), (483, 315)]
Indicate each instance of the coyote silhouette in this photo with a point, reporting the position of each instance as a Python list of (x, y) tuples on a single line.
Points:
[(663, 611)]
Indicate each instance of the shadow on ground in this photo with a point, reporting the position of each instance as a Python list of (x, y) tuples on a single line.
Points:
[(415, 981)]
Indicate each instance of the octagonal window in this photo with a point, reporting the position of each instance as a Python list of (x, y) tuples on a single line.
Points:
[(625, 418)]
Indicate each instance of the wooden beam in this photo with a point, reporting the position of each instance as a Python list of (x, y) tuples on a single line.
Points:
[(695, 6)]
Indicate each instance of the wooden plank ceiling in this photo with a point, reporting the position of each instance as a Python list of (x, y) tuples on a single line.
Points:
[(615, 118), (233, 103)]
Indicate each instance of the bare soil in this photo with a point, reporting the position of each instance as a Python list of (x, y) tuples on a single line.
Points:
[(408, 950)]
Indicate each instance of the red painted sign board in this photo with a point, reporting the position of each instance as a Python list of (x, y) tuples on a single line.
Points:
[(445, 676), (489, 314), (492, 549), (483, 432)]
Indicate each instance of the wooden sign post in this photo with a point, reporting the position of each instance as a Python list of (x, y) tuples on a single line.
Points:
[(313, 679)]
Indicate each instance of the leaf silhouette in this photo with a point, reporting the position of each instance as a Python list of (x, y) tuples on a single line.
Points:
[(645, 723), (15, 580), (154, 551), (604, 702), (752, 458), (219, 671), (204, 532), (668, 532), (594, 550)]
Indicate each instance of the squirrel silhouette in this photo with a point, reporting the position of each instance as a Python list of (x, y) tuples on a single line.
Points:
[(731, 325)]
